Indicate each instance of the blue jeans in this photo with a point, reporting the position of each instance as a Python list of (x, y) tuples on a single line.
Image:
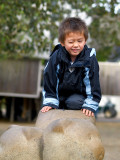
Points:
[(73, 102)]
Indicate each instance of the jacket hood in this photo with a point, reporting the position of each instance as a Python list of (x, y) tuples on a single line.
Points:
[(83, 59)]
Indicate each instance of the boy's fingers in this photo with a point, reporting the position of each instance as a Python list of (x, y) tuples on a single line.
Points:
[(87, 112), (43, 109), (83, 110), (92, 114), (46, 108)]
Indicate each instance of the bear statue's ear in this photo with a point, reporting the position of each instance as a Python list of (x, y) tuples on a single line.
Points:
[(60, 125), (58, 129), (31, 132)]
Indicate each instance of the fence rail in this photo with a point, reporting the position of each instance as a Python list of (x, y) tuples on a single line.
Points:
[(110, 78)]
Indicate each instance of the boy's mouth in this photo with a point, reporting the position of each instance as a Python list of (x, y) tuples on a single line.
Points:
[(75, 50)]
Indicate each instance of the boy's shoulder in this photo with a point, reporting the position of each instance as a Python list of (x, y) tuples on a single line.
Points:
[(55, 55), (59, 54), (88, 56), (89, 51), (55, 50)]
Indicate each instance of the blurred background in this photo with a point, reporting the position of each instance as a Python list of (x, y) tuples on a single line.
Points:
[(28, 33)]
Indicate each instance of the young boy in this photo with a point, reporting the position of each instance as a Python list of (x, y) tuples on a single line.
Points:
[(71, 77)]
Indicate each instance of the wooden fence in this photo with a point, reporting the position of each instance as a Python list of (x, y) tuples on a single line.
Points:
[(22, 78)]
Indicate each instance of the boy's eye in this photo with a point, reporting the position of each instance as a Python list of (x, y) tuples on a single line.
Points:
[(70, 42)]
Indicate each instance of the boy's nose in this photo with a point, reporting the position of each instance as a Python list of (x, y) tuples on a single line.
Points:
[(75, 44)]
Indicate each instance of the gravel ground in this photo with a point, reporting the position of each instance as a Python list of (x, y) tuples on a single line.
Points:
[(109, 131), (110, 135)]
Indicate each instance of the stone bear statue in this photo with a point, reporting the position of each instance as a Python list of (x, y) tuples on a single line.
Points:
[(57, 135)]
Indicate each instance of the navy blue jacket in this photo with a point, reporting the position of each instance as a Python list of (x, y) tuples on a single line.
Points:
[(62, 79)]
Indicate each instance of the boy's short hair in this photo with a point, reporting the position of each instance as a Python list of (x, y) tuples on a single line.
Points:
[(72, 24)]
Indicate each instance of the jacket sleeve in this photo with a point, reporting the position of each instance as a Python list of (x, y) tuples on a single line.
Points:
[(50, 82), (92, 85)]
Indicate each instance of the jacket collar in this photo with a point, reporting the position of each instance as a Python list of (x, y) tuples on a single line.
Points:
[(81, 60)]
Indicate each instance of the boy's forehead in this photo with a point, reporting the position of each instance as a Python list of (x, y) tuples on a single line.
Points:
[(75, 34)]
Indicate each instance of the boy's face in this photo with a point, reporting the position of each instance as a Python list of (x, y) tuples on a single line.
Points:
[(74, 44)]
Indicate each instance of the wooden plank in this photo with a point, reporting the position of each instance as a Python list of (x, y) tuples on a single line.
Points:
[(20, 78)]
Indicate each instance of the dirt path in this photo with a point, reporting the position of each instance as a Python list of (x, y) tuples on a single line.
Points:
[(110, 135)]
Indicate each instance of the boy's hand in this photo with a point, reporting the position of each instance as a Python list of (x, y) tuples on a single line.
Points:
[(88, 112), (46, 108)]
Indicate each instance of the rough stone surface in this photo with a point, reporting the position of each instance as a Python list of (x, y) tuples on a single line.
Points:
[(44, 119), (21, 143), (57, 135)]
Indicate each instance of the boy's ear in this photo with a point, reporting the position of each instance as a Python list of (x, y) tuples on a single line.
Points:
[(62, 44)]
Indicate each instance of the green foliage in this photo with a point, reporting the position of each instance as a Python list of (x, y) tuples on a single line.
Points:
[(23, 25), (104, 29), (103, 53)]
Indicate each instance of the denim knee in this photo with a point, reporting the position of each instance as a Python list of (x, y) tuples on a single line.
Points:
[(75, 102)]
